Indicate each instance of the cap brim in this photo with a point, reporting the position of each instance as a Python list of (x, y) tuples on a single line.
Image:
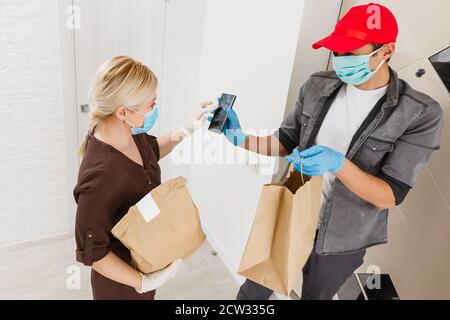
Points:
[(338, 43)]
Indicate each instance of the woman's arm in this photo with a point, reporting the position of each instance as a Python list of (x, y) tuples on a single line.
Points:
[(114, 268), (169, 141)]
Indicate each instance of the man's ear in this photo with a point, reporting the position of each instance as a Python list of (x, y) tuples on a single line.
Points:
[(388, 51)]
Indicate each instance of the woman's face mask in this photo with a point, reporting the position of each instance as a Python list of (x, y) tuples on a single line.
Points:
[(355, 70), (149, 121)]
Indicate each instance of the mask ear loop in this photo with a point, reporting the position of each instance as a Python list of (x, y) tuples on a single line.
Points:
[(381, 63), (301, 171), (130, 124), (373, 53), (379, 66)]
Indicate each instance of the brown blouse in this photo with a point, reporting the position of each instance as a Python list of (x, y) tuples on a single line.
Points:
[(109, 183)]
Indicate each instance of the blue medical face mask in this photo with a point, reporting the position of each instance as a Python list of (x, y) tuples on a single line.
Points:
[(355, 70), (149, 121)]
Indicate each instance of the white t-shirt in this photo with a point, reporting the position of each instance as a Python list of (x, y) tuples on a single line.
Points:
[(347, 113)]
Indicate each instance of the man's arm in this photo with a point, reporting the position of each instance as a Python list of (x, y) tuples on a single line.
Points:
[(383, 192), (267, 146), (370, 188), (281, 143), (400, 168)]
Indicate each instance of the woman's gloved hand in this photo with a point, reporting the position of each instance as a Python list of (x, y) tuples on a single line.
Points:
[(317, 160), (199, 115), (156, 279)]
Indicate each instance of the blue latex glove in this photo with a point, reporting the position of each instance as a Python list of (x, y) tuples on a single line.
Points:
[(317, 161), (232, 129)]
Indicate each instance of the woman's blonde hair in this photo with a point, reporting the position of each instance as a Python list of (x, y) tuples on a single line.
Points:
[(120, 81)]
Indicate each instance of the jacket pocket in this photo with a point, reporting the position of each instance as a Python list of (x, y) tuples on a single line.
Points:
[(371, 154)]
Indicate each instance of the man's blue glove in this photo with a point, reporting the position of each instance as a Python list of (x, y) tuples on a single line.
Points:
[(317, 160), (232, 129)]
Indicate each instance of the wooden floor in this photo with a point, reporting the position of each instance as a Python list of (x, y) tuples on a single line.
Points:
[(39, 270)]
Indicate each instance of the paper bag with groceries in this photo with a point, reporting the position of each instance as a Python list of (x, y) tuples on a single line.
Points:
[(282, 235), (161, 228)]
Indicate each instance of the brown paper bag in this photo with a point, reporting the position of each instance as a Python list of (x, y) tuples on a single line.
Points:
[(175, 233), (283, 232)]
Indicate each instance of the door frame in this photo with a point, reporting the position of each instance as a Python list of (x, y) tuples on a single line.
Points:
[(69, 99)]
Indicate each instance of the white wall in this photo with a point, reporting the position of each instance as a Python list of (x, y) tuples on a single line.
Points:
[(110, 28), (184, 36), (249, 49), (33, 199)]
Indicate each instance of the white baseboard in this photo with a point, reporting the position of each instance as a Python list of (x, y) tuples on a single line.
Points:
[(231, 267), (36, 241)]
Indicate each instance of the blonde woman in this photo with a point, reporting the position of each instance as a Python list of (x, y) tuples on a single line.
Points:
[(119, 167)]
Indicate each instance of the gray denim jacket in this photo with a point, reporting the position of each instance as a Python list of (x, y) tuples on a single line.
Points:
[(397, 139)]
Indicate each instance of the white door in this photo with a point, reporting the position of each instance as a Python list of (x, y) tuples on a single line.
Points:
[(116, 27)]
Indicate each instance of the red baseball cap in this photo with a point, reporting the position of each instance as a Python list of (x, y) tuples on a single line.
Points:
[(370, 23)]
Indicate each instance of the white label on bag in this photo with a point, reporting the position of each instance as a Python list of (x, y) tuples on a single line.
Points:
[(148, 208)]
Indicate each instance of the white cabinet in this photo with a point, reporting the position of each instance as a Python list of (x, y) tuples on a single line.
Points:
[(429, 83)]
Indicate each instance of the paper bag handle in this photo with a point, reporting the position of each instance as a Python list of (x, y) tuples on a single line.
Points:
[(292, 181), (301, 171)]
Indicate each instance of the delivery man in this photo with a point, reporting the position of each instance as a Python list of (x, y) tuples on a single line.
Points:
[(368, 133)]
